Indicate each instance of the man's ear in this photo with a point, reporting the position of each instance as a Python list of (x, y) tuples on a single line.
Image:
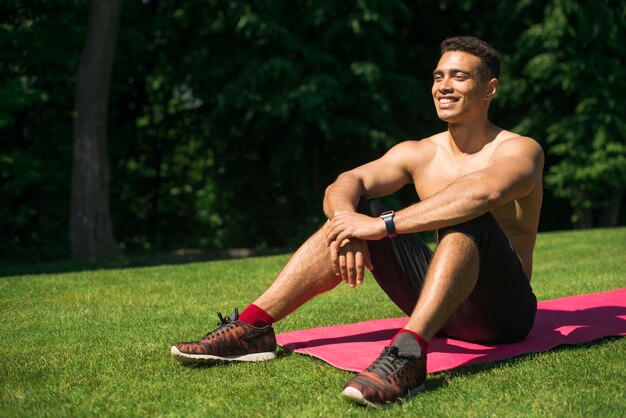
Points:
[(492, 88)]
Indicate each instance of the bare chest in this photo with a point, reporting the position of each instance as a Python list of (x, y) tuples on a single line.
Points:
[(444, 168)]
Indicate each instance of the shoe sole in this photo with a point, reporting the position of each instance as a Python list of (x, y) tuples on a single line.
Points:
[(355, 395), (207, 358)]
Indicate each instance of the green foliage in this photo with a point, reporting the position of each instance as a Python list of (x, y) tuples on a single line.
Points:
[(311, 91), (567, 82), (229, 118), (246, 111), (39, 49)]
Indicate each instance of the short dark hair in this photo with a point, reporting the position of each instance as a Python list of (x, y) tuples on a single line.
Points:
[(488, 55)]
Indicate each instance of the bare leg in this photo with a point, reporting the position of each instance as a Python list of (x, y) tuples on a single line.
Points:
[(451, 278), (308, 273)]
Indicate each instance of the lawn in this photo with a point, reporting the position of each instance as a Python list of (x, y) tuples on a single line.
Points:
[(97, 343)]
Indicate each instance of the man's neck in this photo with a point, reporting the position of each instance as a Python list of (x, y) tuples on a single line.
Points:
[(469, 138)]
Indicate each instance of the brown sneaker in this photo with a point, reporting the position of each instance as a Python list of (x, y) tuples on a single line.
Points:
[(391, 378), (232, 340)]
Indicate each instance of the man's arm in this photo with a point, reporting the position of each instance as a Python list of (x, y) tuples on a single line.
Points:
[(515, 171), (377, 178), (343, 195)]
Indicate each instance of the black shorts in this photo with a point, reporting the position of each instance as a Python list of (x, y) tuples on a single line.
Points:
[(500, 309)]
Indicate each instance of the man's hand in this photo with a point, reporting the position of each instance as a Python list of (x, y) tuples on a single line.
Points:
[(354, 225), (349, 259), (346, 236)]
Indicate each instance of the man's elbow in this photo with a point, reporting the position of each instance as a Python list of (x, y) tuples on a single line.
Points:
[(344, 180), (488, 197), (494, 198), (330, 188), (327, 191), (337, 184)]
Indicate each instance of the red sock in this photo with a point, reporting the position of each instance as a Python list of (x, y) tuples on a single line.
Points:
[(255, 316), (422, 342)]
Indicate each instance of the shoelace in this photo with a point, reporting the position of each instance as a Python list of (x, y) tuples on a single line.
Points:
[(224, 321), (389, 361)]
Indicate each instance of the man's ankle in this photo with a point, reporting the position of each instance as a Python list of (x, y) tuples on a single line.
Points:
[(255, 316), (410, 343)]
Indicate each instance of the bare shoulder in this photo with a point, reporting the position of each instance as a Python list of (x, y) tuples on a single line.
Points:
[(422, 145), (412, 151), (509, 144)]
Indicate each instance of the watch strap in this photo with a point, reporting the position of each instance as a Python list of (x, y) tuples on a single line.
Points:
[(389, 224)]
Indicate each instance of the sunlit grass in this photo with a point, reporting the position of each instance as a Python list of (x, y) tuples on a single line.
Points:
[(97, 343)]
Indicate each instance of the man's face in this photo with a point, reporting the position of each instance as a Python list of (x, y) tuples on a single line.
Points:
[(458, 90)]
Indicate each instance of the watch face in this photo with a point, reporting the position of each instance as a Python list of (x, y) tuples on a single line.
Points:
[(387, 215)]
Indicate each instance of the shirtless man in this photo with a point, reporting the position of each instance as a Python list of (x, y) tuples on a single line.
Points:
[(480, 188)]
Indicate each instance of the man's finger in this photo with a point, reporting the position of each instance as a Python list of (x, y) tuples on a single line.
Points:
[(342, 268), (332, 233), (358, 258), (366, 256), (350, 268), (343, 236), (329, 237)]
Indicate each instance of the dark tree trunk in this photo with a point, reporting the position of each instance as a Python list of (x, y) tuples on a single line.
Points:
[(91, 233)]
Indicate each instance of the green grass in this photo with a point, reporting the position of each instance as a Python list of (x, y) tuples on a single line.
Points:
[(97, 343)]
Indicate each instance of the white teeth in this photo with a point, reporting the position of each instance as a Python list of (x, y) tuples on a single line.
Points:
[(446, 100)]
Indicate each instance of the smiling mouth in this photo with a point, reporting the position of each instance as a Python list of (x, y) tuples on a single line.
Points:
[(447, 100), (444, 103)]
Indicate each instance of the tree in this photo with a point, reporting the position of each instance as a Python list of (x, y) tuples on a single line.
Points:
[(569, 89), (90, 222), (227, 119), (40, 47), (314, 88)]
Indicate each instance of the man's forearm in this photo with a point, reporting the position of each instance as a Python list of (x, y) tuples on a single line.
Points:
[(343, 195), (459, 202)]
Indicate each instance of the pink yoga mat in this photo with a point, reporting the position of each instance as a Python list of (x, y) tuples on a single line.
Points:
[(570, 320)]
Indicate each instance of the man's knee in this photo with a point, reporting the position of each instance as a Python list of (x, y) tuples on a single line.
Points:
[(475, 229)]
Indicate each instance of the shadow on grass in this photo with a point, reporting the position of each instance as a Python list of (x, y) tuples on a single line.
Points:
[(435, 381), (442, 379), (280, 353), (123, 261), (439, 380)]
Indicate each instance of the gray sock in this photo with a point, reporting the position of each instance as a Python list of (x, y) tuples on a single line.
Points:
[(407, 345)]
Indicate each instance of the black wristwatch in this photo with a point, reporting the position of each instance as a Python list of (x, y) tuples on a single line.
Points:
[(391, 227)]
